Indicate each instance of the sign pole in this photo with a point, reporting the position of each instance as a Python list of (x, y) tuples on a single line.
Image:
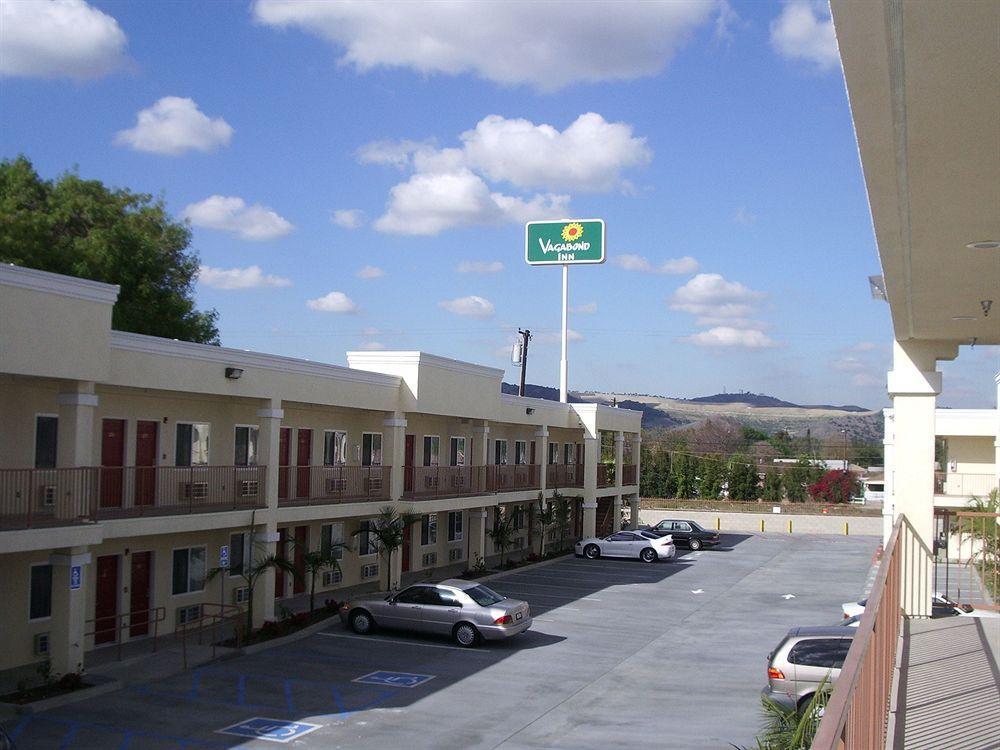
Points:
[(564, 362)]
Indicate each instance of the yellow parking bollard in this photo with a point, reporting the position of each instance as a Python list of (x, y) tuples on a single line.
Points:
[(789, 525), (762, 524), (718, 523), (847, 530)]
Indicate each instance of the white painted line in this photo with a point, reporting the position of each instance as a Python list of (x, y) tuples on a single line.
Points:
[(376, 639), (697, 591), (788, 596)]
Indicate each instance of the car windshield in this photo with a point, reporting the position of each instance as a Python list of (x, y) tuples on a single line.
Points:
[(483, 596)]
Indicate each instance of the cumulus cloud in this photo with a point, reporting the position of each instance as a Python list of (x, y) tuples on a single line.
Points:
[(335, 302), (849, 364), (58, 39), (730, 337), (392, 153), (480, 266), (804, 31), (546, 45), (251, 277), (348, 218), (370, 272), (638, 263), (373, 346), (174, 125), (587, 309), (231, 214), (471, 306)]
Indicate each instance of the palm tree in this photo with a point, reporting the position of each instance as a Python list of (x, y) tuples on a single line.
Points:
[(314, 563), (545, 516), (788, 728), (386, 534), (563, 511), (984, 539), (502, 533)]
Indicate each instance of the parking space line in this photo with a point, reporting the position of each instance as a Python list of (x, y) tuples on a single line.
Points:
[(419, 644)]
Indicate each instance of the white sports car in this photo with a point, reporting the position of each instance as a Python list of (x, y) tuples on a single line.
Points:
[(634, 544)]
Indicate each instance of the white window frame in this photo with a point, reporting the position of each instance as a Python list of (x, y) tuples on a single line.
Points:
[(497, 444), (204, 581), (554, 454), (380, 446), (520, 452), (253, 430), (425, 457), (460, 534), (429, 523), (51, 602), (337, 552), (464, 452), (569, 454), (336, 442), (208, 442)]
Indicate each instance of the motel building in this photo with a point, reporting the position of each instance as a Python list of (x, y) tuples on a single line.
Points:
[(127, 462)]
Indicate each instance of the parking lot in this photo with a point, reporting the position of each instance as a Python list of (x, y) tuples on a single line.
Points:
[(620, 654)]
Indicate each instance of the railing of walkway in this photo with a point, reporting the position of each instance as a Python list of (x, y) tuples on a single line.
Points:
[(857, 714)]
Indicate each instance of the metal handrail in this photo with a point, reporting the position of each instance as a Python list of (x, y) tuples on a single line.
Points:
[(211, 620), (123, 621)]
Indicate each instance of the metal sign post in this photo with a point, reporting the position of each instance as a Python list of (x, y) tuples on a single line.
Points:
[(564, 242)]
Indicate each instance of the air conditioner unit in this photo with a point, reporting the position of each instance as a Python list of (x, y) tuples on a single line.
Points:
[(41, 644), (194, 490), (241, 595), (430, 482), (375, 484), (47, 495), (332, 577), (336, 486), (369, 571), (248, 488), (458, 480), (429, 559), (188, 614), (454, 554)]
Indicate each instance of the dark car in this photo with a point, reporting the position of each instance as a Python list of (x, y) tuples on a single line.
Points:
[(685, 533)]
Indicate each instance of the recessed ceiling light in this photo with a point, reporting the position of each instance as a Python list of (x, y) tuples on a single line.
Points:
[(963, 317), (984, 245)]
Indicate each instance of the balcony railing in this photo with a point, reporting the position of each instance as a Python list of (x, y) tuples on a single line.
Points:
[(605, 475), (60, 497), (319, 485), (510, 478), (964, 485), (629, 473), (558, 476), (423, 482)]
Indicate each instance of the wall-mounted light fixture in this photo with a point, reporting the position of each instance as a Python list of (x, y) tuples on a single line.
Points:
[(529, 410), (234, 373)]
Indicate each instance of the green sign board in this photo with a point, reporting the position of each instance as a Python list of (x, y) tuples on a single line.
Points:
[(568, 241)]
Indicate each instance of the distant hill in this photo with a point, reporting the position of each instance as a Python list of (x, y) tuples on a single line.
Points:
[(538, 391), (762, 400)]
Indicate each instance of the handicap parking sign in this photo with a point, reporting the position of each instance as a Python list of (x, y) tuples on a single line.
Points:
[(394, 679), (272, 730), (75, 577)]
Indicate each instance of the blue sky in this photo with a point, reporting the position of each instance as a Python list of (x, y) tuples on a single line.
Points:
[(307, 142)]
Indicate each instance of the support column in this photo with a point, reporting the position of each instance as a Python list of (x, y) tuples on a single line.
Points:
[(889, 467), (633, 502), (477, 535), (637, 459), (542, 456), (996, 443), (75, 447), (619, 460), (69, 610), (395, 429), (591, 457), (481, 435), (616, 521), (265, 532)]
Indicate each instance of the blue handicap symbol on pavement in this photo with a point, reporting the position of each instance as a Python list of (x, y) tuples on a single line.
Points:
[(273, 730), (394, 679)]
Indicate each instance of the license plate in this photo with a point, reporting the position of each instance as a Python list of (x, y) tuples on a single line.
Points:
[(518, 616)]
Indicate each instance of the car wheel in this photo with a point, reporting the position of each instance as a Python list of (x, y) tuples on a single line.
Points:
[(591, 551), (362, 622), (818, 710), (465, 634), (648, 555), (694, 544)]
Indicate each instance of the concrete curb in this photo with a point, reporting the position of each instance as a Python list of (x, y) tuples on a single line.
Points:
[(307, 631), (105, 685)]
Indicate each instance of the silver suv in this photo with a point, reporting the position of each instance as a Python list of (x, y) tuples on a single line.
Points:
[(800, 662)]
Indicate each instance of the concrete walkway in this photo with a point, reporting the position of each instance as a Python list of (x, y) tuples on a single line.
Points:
[(949, 685)]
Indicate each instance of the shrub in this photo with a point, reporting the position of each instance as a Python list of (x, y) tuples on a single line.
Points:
[(836, 486)]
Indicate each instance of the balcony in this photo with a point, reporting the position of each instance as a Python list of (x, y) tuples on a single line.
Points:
[(964, 485), (605, 475), (629, 474), (558, 476), (433, 482), (31, 498), (323, 485)]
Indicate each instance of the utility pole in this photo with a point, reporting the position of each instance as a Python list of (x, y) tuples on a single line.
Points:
[(525, 338)]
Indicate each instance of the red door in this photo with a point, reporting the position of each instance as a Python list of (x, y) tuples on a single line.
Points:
[(301, 542), (406, 546), (106, 605), (409, 447), (279, 574), (112, 459), (302, 459), (284, 438), (145, 462), (138, 606)]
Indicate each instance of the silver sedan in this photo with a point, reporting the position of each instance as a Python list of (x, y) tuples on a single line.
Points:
[(635, 544), (467, 611)]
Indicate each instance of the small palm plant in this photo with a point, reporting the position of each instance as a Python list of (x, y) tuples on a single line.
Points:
[(788, 728), (314, 563), (387, 534), (563, 513), (544, 517), (502, 533)]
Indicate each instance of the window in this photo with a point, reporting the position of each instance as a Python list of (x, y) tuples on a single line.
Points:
[(366, 545), (331, 535), (820, 652), (239, 553), (192, 445), (553, 453), (432, 450), (335, 448), (189, 570), (246, 445), (520, 452), (500, 452), (446, 598), (40, 603), (46, 430), (455, 526), (428, 530), (483, 596), (622, 537), (569, 454), (518, 513), (681, 526), (371, 449), (458, 451)]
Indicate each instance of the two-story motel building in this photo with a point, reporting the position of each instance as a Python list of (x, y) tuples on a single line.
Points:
[(127, 462)]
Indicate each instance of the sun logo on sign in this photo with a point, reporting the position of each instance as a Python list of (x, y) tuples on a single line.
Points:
[(572, 232)]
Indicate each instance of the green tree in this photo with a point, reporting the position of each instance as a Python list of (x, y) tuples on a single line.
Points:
[(868, 454), (315, 562), (81, 228), (543, 517), (386, 534), (503, 532), (802, 474), (563, 511), (711, 479), (772, 486), (684, 475), (742, 479)]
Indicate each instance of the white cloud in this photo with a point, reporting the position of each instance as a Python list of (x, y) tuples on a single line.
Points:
[(865, 346), (430, 203), (335, 302), (370, 272), (174, 125), (804, 31), (710, 321), (587, 309), (231, 214), (744, 217), (480, 266), (867, 380), (728, 337), (348, 218), (250, 277), (370, 331), (555, 337), (849, 364), (372, 346), (545, 45), (472, 306), (709, 294), (391, 153), (58, 39), (675, 266)]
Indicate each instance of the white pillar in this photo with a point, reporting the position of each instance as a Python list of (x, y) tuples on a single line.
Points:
[(477, 535), (637, 459), (996, 443), (481, 435), (395, 429), (542, 456), (616, 521), (69, 610), (888, 443), (75, 448), (619, 459), (591, 457), (633, 502)]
